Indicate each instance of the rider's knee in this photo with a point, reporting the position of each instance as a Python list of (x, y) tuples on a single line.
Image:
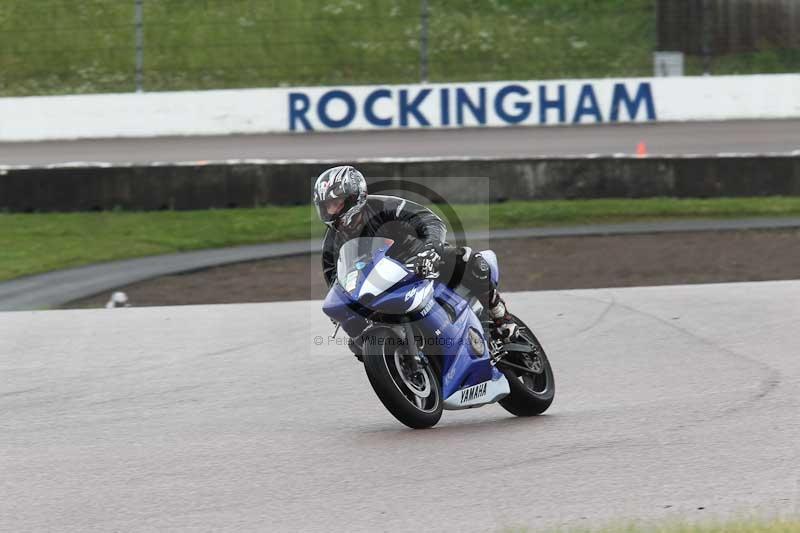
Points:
[(478, 276)]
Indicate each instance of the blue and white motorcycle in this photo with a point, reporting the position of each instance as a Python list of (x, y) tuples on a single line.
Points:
[(425, 346)]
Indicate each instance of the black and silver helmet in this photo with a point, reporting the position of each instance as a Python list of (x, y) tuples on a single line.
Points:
[(340, 193)]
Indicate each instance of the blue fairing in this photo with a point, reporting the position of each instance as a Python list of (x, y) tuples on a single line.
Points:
[(337, 305), (462, 367), (439, 315)]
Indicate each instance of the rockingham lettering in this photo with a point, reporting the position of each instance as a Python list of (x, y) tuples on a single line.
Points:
[(522, 108), (493, 104), (644, 97), (558, 104)]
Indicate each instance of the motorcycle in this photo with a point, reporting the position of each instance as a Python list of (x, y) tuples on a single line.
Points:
[(425, 346)]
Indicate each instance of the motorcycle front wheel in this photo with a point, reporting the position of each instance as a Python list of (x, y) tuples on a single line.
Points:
[(409, 388)]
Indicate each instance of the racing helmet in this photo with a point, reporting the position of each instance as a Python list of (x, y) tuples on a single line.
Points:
[(340, 194)]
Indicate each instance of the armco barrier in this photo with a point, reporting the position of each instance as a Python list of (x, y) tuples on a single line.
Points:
[(247, 184), (420, 106)]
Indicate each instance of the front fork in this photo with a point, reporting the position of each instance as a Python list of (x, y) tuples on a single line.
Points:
[(416, 356), (419, 361)]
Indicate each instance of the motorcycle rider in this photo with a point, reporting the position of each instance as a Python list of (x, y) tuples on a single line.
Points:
[(342, 202)]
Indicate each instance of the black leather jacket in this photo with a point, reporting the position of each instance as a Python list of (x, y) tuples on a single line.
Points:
[(410, 225)]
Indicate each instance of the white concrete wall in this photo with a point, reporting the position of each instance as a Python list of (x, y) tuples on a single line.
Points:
[(452, 105)]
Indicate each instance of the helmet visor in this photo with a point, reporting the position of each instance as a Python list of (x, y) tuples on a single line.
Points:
[(331, 209)]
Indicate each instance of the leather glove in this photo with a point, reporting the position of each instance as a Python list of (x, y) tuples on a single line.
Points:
[(426, 264)]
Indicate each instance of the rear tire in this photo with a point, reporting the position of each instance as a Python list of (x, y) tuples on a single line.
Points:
[(413, 397), (531, 392)]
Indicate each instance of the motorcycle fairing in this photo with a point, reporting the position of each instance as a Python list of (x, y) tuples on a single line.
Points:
[(479, 394), (384, 285)]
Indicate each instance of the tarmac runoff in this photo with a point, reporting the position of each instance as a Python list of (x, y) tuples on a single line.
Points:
[(57, 288)]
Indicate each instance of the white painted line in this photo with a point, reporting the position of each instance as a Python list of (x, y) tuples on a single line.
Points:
[(400, 160)]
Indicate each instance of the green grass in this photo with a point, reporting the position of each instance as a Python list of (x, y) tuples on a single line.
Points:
[(56, 46), (771, 61), (65, 46), (568, 212), (747, 526), (34, 243)]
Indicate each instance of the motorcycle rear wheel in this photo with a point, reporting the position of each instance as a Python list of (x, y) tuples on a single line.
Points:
[(411, 392), (533, 391)]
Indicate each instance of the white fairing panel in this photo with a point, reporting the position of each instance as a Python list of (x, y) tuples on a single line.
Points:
[(480, 394), (385, 274)]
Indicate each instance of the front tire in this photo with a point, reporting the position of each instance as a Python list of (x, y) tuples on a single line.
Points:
[(412, 393), (532, 391)]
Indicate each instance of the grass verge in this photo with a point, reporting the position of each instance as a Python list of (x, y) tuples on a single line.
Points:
[(748, 526), (35, 243), (65, 47)]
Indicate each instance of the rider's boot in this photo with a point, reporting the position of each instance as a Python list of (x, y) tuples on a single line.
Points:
[(505, 328)]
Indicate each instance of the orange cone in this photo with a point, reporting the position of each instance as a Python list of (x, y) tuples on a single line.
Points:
[(641, 149)]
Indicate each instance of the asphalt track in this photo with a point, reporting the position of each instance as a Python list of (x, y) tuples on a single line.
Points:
[(706, 138), (672, 403)]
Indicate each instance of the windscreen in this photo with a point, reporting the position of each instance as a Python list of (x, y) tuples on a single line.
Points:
[(355, 255)]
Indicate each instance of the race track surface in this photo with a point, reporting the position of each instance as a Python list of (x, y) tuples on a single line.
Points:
[(709, 138), (672, 402)]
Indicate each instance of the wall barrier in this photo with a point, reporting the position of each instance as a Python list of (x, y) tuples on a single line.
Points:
[(450, 105), (254, 183)]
